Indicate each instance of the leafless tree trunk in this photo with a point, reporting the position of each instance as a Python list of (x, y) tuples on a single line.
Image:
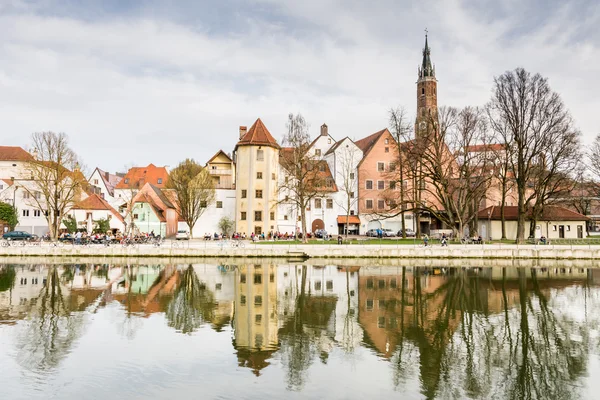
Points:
[(346, 176), (532, 118), (57, 181), (304, 180)]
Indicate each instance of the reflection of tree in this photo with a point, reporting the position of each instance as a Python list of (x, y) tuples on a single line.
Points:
[(192, 304), (7, 277), (52, 330), (300, 334)]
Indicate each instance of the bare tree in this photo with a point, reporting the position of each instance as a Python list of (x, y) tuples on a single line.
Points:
[(128, 195), (56, 179), (195, 190), (303, 180), (593, 157), (532, 119), (454, 177), (347, 155)]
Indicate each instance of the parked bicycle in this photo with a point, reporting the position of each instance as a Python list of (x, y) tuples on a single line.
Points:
[(237, 243)]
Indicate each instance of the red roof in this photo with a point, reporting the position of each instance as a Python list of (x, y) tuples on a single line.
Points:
[(14, 153), (484, 147), (550, 213), (366, 144), (258, 135), (95, 202), (137, 177)]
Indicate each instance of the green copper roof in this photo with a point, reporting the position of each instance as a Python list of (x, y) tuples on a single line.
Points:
[(426, 68)]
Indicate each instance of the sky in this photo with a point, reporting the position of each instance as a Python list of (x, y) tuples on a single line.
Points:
[(150, 81)]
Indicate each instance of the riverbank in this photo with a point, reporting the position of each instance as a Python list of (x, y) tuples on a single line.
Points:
[(200, 249)]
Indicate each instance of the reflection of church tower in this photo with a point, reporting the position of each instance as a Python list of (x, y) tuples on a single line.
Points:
[(255, 319), (426, 94)]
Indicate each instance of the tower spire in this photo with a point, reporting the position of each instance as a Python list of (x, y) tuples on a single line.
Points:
[(426, 68)]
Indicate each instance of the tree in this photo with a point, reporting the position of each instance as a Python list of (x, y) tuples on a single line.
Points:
[(593, 157), (534, 122), (70, 223), (303, 180), (349, 157), (8, 214), (453, 177), (195, 190), (102, 225), (56, 179), (128, 197), (226, 225)]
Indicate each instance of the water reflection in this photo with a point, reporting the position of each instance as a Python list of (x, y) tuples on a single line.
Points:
[(459, 333)]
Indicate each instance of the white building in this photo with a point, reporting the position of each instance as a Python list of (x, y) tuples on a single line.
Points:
[(105, 184)]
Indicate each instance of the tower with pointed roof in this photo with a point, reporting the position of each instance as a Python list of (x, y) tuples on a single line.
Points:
[(426, 120), (256, 157)]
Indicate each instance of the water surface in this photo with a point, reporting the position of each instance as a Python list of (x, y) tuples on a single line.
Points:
[(252, 331)]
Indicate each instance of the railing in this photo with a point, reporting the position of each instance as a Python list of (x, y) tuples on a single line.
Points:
[(220, 171)]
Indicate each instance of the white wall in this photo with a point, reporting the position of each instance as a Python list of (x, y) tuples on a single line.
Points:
[(209, 220)]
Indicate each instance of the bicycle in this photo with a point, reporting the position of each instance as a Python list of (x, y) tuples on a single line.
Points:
[(237, 243)]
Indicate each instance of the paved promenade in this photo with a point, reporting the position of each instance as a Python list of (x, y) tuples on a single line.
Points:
[(219, 249)]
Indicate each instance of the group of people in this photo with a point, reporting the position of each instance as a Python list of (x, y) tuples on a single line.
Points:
[(80, 237)]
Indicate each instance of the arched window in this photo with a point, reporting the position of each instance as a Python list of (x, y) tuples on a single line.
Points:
[(422, 90)]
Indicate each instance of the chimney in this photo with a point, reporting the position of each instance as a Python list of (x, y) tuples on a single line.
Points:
[(324, 131), (106, 176), (242, 131)]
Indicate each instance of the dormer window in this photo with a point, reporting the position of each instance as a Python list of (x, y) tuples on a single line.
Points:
[(126, 181), (159, 181)]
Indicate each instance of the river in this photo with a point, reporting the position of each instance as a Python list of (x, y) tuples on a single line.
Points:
[(297, 331)]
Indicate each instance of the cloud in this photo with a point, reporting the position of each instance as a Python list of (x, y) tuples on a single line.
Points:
[(141, 82)]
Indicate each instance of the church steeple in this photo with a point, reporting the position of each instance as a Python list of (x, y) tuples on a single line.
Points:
[(426, 69), (426, 120)]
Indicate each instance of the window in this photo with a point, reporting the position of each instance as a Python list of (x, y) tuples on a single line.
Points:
[(273, 176), (318, 285), (243, 215), (257, 300), (369, 204), (203, 204), (381, 284), (285, 217), (369, 304), (242, 278), (26, 213), (271, 278), (259, 175), (258, 194), (25, 195), (387, 149), (380, 185), (422, 90), (257, 279), (257, 319), (380, 166), (272, 216), (329, 182), (351, 195), (328, 141), (126, 181), (135, 216), (95, 181), (392, 185), (219, 204), (351, 175), (322, 167), (258, 215), (37, 213), (381, 322), (351, 212), (380, 204), (329, 203), (243, 193), (159, 181), (393, 283), (318, 204), (392, 167), (393, 204), (405, 184), (568, 228), (318, 152), (554, 228), (218, 286), (369, 184), (243, 300), (329, 285), (260, 155), (387, 141)]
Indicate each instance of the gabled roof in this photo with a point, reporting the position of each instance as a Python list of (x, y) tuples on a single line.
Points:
[(258, 135), (137, 177), (9, 182), (217, 154), (110, 180), (162, 196), (484, 147), (550, 213), (337, 144), (95, 202), (366, 144), (14, 153)]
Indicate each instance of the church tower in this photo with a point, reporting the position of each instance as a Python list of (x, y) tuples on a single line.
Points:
[(427, 119)]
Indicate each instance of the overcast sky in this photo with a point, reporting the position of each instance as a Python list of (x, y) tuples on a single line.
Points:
[(158, 81)]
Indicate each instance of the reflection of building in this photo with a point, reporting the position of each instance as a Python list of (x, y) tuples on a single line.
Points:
[(255, 310), (28, 283), (222, 285)]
